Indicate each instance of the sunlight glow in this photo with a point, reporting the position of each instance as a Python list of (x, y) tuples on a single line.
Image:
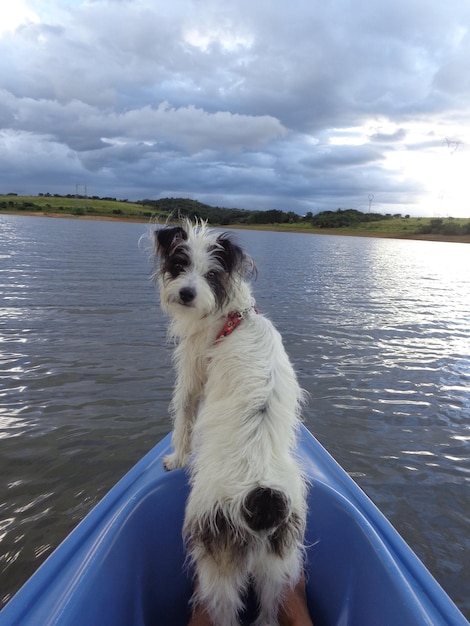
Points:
[(439, 159), (14, 14), (434, 156)]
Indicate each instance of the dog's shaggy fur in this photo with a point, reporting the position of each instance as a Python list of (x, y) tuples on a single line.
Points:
[(236, 410)]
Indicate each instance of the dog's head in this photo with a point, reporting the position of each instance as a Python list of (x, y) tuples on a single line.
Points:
[(200, 270)]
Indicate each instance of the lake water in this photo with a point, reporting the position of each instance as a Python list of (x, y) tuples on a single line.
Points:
[(378, 330)]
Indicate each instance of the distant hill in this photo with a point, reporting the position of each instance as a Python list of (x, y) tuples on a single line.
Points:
[(346, 217), (80, 205), (185, 207), (343, 221)]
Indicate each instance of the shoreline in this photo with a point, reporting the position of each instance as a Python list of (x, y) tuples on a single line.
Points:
[(342, 233), (265, 227)]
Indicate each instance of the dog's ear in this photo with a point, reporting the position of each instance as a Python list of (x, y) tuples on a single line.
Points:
[(167, 238), (232, 257)]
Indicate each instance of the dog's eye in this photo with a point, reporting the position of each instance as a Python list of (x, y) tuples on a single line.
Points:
[(211, 275), (175, 269)]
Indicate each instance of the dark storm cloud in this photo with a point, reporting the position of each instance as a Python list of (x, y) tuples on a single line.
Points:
[(397, 135)]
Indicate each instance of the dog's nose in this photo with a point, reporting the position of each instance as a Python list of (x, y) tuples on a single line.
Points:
[(187, 295)]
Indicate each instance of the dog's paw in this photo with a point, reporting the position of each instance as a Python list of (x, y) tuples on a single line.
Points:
[(172, 462)]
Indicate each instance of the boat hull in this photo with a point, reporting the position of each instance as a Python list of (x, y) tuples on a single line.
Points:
[(124, 564)]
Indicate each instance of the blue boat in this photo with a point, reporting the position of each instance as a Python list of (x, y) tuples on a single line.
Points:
[(124, 564)]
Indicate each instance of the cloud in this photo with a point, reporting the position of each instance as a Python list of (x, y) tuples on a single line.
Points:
[(82, 126), (397, 135), (259, 105)]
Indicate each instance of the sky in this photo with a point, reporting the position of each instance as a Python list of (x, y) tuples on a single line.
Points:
[(304, 106)]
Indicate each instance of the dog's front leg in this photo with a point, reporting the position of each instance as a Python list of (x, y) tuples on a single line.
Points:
[(184, 411)]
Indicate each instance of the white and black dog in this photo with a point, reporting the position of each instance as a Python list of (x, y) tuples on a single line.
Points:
[(236, 408)]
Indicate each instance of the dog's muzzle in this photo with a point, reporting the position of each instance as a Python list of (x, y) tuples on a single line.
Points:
[(187, 295)]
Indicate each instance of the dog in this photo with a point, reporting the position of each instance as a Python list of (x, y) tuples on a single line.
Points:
[(236, 411)]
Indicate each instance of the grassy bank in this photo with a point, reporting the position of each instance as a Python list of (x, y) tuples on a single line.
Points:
[(101, 208), (409, 228), (70, 206)]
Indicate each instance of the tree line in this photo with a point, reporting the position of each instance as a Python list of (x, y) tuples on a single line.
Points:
[(439, 226), (186, 207), (348, 217)]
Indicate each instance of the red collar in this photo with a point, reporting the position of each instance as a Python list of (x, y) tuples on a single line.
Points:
[(234, 319)]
